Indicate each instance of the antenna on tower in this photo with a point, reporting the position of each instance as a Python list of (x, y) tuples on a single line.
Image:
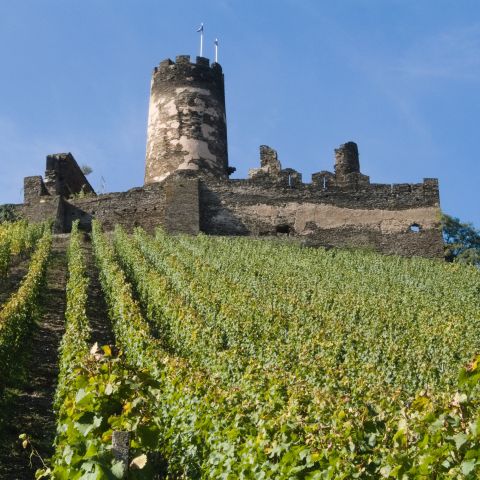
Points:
[(216, 50), (200, 29)]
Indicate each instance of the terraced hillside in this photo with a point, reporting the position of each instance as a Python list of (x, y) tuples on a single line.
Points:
[(239, 358)]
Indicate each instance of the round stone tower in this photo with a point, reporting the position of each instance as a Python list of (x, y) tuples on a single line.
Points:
[(187, 127)]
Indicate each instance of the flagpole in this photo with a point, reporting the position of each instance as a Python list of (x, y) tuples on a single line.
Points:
[(200, 29), (216, 50)]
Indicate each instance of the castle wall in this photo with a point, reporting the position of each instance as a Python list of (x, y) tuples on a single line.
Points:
[(136, 207), (396, 219), (186, 121), (382, 217), (182, 205), (173, 204), (46, 208), (33, 188)]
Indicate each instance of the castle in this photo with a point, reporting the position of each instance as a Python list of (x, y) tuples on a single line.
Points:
[(188, 190)]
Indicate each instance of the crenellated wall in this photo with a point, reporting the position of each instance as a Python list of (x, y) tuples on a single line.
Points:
[(402, 219)]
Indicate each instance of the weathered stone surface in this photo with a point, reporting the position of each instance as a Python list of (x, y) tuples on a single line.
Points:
[(376, 216), (64, 177), (269, 163), (182, 204), (138, 207), (346, 159), (187, 127), (33, 188), (47, 208)]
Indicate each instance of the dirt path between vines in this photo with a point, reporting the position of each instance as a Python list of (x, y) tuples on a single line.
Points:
[(30, 409), (97, 310), (30, 405)]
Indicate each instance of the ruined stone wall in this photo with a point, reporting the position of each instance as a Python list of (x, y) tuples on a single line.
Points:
[(33, 188), (186, 122), (402, 219), (64, 177), (173, 204), (46, 208)]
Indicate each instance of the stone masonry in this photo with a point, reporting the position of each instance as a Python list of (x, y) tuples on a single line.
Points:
[(187, 127), (187, 189)]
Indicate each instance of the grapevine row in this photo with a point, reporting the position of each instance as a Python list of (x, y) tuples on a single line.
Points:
[(324, 424), (18, 315), (15, 239), (331, 315)]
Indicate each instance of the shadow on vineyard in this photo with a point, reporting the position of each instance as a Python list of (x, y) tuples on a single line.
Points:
[(96, 308)]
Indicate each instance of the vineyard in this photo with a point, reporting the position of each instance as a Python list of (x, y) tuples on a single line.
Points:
[(232, 358)]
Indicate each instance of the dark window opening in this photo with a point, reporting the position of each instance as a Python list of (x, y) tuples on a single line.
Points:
[(283, 229)]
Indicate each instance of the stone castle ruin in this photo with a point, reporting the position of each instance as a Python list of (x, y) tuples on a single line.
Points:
[(188, 190)]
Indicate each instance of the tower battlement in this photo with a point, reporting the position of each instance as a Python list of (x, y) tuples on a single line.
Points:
[(183, 63)]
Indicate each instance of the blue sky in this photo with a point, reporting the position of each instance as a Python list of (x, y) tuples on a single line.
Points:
[(399, 77)]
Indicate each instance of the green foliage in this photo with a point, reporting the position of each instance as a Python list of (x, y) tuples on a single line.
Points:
[(74, 347), (81, 194), (8, 213), (104, 395), (300, 363), (462, 241), (16, 239), (97, 393), (18, 315), (86, 169), (271, 362)]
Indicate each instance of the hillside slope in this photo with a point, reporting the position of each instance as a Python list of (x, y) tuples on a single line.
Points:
[(240, 358)]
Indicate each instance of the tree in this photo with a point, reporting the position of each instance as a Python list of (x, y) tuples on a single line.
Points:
[(8, 213), (86, 169), (462, 241)]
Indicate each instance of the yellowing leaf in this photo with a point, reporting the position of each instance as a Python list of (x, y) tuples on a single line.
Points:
[(107, 350)]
